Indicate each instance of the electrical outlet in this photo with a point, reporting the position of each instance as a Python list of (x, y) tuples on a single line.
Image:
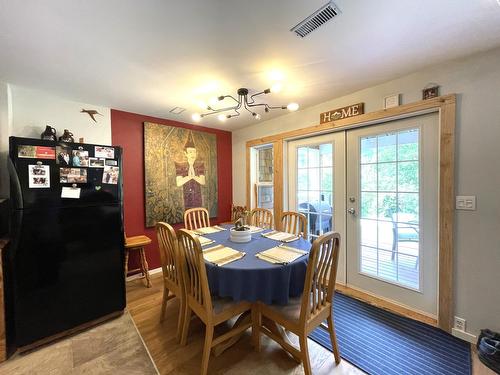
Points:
[(465, 202), (460, 324)]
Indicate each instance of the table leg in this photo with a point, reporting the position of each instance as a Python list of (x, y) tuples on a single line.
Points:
[(279, 331), (126, 262), (242, 319)]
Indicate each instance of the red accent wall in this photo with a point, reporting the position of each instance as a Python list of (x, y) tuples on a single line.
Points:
[(127, 131)]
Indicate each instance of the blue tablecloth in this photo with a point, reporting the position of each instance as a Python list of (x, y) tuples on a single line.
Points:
[(252, 279)]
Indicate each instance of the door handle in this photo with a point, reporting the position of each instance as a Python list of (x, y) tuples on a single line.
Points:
[(352, 211)]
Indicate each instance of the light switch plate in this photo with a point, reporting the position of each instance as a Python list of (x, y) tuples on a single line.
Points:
[(466, 202)]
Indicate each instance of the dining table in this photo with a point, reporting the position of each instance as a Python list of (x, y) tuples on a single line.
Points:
[(253, 279)]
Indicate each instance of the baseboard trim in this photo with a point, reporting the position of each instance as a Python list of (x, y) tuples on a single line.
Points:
[(139, 275), (466, 336), (386, 304)]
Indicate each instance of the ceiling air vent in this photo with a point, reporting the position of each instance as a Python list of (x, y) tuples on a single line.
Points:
[(177, 110), (315, 20)]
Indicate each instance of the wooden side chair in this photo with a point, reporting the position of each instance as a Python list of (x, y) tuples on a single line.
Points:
[(260, 217), (195, 218), (170, 264), (138, 243), (294, 223), (304, 314), (211, 310)]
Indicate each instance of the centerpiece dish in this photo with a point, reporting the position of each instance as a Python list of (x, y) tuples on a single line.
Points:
[(240, 233)]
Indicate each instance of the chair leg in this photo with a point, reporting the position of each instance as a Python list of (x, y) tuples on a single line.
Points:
[(127, 253), (305, 354), (209, 334), (185, 325), (145, 267), (164, 304), (256, 324), (333, 339), (182, 316)]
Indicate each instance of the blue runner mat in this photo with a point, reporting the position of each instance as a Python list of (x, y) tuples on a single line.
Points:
[(382, 343)]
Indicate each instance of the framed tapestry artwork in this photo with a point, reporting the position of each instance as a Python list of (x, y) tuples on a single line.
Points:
[(180, 171)]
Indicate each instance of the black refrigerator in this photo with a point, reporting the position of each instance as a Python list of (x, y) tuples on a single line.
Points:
[(64, 266)]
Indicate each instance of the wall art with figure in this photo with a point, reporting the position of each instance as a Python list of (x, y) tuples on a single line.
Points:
[(180, 167)]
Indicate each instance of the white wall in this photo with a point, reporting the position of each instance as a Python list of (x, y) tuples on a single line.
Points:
[(476, 80), (25, 112)]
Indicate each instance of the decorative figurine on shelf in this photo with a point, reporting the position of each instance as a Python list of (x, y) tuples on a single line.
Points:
[(67, 137), (430, 91), (49, 134)]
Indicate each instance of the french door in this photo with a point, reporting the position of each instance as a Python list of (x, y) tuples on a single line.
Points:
[(382, 199), (316, 168)]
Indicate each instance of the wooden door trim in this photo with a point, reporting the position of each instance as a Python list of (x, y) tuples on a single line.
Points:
[(446, 107)]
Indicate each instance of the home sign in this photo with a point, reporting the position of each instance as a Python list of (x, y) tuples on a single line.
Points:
[(341, 113)]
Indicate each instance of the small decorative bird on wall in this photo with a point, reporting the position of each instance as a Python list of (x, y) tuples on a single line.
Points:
[(91, 113)]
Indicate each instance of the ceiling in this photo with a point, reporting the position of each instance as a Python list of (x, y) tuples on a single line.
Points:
[(153, 55)]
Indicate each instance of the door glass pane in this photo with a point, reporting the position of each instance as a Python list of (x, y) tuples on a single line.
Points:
[(389, 207), (315, 187)]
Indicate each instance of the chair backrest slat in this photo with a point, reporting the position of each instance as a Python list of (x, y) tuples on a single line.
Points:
[(260, 217), (294, 223), (167, 241), (195, 218), (320, 275), (194, 271)]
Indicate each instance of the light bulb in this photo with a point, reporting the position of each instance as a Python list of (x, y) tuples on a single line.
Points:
[(222, 117), (196, 117), (276, 87), (202, 104), (292, 107), (213, 100), (256, 116)]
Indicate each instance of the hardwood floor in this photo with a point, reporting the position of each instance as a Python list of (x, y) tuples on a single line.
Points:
[(144, 305), (170, 358)]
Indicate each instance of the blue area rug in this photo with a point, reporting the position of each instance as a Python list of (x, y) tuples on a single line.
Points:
[(382, 343)]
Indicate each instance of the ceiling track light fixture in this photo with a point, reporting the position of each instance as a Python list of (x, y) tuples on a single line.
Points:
[(243, 102)]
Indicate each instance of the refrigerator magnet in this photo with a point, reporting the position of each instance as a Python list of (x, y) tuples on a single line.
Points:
[(38, 176), (70, 192), (104, 152)]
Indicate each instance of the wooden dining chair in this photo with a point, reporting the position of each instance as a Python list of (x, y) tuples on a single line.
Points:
[(195, 218), (304, 314), (173, 285), (211, 310), (260, 217), (294, 223)]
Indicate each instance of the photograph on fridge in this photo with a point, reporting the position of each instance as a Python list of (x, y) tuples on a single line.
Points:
[(110, 175), (72, 175), (39, 176), (104, 152), (63, 155), (80, 158), (96, 162)]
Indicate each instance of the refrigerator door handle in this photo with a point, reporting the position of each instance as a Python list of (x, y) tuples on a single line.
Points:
[(16, 194)]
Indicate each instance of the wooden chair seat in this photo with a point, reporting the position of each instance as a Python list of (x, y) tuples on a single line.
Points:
[(289, 312), (137, 241)]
